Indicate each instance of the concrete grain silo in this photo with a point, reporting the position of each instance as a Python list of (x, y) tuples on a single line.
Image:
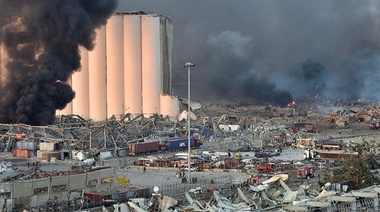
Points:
[(151, 58), (132, 64), (115, 65), (129, 71), (169, 106), (97, 78), (80, 84)]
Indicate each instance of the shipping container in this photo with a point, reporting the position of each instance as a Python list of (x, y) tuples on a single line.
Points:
[(48, 155), (40, 153), (45, 146), (179, 143), (105, 155), (122, 152), (30, 145), (96, 197), (22, 153), (117, 195), (143, 147)]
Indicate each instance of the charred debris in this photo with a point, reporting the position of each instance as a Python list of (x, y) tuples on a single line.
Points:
[(265, 130), (239, 138)]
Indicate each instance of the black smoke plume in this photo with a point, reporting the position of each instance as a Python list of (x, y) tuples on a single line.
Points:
[(41, 39)]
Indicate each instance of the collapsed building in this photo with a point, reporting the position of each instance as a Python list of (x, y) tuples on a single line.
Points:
[(75, 138), (35, 188)]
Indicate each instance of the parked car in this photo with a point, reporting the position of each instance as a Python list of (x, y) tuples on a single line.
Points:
[(196, 190), (249, 166), (143, 162), (244, 149), (262, 155), (193, 168)]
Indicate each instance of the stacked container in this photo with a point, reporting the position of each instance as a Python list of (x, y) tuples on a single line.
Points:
[(47, 151), (25, 149)]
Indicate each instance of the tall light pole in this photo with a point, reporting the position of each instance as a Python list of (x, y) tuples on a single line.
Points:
[(188, 65)]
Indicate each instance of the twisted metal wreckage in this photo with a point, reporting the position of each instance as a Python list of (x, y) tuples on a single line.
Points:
[(76, 133), (271, 195)]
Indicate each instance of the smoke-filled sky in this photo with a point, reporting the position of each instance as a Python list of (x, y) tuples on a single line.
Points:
[(251, 51), (269, 51), (41, 39)]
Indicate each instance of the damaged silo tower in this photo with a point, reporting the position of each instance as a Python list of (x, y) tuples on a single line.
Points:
[(129, 71)]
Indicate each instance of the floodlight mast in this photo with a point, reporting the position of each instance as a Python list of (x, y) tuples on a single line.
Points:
[(188, 65)]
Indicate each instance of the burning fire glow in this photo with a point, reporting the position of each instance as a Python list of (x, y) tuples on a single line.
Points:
[(291, 104)]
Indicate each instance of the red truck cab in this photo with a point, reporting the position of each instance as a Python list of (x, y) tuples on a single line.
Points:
[(266, 167), (305, 172)]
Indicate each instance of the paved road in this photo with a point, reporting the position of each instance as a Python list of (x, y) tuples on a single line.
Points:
[(164, 176)]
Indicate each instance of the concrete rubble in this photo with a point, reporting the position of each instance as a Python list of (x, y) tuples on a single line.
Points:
[(271, 195), (256, 141)]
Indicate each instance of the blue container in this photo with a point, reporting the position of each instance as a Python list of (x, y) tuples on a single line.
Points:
[(29, 145), (179, 143)]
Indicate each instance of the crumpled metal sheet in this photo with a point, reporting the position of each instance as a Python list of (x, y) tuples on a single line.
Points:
[(166, 202)]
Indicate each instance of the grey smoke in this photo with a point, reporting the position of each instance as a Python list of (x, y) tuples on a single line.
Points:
[(297, 47), (311, 76), (42, 38), (239, 81)]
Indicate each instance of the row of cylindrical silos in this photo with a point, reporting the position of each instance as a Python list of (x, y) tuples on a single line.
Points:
[(129, 71)]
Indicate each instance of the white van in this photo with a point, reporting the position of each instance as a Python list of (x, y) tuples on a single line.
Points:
[(219, 156)]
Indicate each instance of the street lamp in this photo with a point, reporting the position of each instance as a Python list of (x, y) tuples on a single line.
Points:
[(188, 65)]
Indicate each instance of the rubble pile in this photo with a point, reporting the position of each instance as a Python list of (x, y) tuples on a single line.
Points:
[(251, 140), (270, 195), (240, 125)]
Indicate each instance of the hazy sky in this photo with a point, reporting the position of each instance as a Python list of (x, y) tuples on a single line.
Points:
[(249, 51)]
